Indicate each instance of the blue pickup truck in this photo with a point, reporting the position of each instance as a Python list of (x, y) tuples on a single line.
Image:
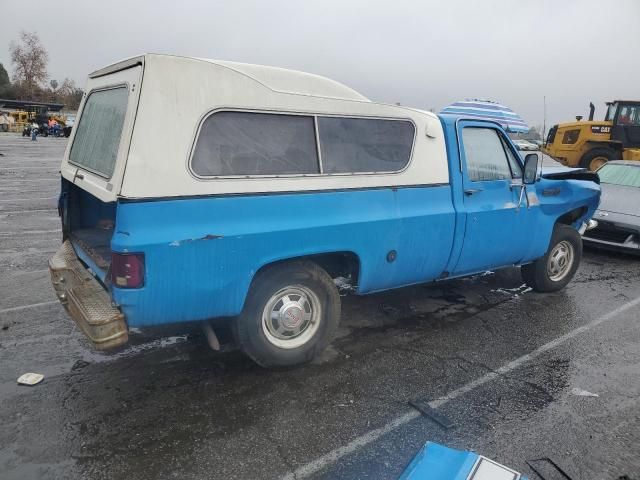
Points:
[(203, 190)]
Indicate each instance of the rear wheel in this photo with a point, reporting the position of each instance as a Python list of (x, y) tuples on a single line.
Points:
[(290, 312), (597, 157), (556, 268)]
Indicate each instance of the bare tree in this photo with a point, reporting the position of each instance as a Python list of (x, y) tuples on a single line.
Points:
[(30, 60), (67, 87), (69, 94)]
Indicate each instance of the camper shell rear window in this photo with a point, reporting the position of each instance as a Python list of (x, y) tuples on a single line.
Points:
[(96, 141), (247, 144)]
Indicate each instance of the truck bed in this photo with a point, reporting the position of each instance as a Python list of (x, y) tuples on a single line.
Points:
[(96, 242)]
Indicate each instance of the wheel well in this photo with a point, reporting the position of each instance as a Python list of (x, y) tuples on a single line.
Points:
[(603, 144), (572, 216), (336, 264)]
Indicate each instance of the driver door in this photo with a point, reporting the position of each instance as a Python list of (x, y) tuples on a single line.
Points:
[(498, 220)]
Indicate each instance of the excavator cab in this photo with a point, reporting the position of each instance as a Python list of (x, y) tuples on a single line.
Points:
[(591, 143), (625, 118)]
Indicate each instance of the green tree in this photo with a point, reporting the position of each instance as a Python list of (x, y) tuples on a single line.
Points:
[(6, 89), (4, 77)]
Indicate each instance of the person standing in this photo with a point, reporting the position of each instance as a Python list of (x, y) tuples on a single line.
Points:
[(34, 132)]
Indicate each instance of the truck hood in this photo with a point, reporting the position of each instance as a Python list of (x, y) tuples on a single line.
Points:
[(567, 173)]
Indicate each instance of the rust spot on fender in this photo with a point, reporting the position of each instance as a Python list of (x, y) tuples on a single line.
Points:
[(209, 236)]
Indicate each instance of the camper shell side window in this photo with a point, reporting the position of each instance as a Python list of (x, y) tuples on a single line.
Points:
[(237, 143)]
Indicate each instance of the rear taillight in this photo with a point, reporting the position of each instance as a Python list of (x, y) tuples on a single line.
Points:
[(127, 270)]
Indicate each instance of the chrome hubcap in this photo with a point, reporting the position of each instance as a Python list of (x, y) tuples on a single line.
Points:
[(291, 317), (560, 261)]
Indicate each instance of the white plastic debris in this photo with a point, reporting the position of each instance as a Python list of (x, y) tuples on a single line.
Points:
[(344, 284), (30, 379), (582, 393)]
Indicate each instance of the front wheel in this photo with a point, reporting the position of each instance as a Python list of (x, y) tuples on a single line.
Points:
[(556, 268), (289, 315), (594, 159)]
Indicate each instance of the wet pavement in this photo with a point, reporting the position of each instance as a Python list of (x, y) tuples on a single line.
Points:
[(515, 371)]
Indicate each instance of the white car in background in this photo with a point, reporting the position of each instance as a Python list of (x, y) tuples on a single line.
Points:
[(525, 145)]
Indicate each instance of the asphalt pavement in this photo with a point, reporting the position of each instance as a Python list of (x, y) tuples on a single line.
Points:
[(522, 376)]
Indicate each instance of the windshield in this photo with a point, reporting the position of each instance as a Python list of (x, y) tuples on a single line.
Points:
[(626, 175), (629, 115), (611, 111), (95, 146)]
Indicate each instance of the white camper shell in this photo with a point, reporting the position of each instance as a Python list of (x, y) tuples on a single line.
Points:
[(160, 102)]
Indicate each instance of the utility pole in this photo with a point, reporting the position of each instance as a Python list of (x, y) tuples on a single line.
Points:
[(544, 118)]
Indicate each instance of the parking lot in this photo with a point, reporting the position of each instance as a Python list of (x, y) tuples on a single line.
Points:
[(522, 376)]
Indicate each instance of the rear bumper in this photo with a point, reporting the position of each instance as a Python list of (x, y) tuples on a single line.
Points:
[(86, 300)]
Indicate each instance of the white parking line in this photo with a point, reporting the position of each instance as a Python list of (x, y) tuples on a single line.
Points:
[(24, 232), (33, 180), (25, 307), (371, 436), (16, 200), (52, 209), (29, 272), (17, 168)]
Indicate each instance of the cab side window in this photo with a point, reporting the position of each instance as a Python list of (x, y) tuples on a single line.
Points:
[(629, 115), (486, 155), (516, 169)]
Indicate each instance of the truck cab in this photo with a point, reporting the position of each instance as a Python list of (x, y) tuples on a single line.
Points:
[(625, 123)]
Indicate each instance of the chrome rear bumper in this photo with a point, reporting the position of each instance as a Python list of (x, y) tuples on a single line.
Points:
[(86, 300)]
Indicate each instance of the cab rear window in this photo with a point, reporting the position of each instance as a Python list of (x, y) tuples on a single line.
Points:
[(96, 142)]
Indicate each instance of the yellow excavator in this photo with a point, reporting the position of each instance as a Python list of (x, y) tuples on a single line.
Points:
[(592, 143)]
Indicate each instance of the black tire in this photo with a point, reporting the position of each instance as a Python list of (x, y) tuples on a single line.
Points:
[(4, 127), (597, 153), (249, 330), (537, 274)]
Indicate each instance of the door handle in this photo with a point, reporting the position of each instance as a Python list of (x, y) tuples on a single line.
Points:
[(471, 191)]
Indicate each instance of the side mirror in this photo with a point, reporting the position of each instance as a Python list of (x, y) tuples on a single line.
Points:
[(530, 169)]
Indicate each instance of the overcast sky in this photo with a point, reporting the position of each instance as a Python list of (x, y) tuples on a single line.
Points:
[(424, 54)]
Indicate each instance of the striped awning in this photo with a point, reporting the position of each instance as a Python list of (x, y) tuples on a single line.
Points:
[(487, 110)]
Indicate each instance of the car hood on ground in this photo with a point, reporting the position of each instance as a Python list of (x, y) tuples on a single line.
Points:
[(620, 199)]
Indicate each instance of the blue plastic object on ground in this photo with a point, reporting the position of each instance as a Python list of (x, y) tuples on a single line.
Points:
[(437, 462)]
